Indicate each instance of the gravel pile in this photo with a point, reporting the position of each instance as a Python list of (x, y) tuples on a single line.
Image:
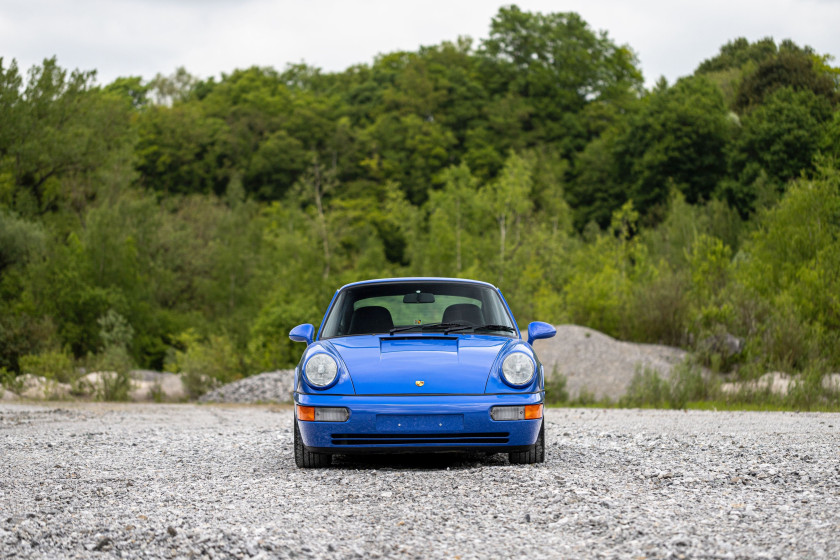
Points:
[(152, 481), (270, 387), (599, 364)]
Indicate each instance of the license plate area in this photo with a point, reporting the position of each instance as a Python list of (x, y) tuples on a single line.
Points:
[(419, 422)]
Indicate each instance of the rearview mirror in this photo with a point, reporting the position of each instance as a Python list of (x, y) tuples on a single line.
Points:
[(538, 330), (303, 333), (419, 297)]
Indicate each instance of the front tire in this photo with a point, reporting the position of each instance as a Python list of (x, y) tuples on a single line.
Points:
[(306, 459), (534, 455)]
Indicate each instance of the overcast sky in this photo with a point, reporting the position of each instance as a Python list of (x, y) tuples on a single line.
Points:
[(210, 37)]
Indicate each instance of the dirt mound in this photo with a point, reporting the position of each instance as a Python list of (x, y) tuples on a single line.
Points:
[(273, 386), (599, 364)]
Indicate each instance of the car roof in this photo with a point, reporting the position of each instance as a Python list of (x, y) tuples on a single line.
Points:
[(417, 279)]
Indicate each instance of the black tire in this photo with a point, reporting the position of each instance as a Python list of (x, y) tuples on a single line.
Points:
[(306, 459), (534, 455)]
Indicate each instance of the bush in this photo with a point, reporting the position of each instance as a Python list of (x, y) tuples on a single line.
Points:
[(54, 365), (205, 364), (647, 388), (555, 388), (156, 392), (789, 345), (115, 386), (659, 308), (10, 381), (718, 350), (587, 398), (805, 391), (686, 384), (113, 360)]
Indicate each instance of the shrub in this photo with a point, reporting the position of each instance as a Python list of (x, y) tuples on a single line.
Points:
[(659, 308), (54, 365), (10, 381), (113, 360), (205, 364), (647, 388), (115, 386), (586, 398), (156, 392), (807, 392), (555, 388), (686, 384), (788, 343), (718, 350)]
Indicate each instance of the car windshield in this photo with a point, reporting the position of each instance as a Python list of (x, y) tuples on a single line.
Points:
[(417, 307)]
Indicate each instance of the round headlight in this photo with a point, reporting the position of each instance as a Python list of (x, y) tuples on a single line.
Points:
[(518, 369), (320, 370)]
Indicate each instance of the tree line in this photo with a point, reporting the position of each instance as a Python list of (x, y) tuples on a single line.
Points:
[(192, 222)]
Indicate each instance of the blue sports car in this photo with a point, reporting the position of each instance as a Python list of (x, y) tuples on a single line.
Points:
[(418, 365)]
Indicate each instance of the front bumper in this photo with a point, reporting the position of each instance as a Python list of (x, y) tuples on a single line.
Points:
[(425, 424)]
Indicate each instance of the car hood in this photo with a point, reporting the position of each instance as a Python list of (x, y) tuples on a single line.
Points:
[(387, 365)]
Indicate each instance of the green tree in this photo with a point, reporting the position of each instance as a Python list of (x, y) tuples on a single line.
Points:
[(452, 222), (176, 150), (679, 138), (509, 201), (778, 140), (739, 53), (60, 131), (560, 66), (793, 68)]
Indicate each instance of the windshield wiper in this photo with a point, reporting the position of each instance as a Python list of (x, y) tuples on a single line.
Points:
[(457, 327), (426, 326), (504, 328), (452, 327)]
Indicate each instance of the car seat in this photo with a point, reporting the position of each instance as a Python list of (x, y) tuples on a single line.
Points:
[(371, 319), (464, 313)]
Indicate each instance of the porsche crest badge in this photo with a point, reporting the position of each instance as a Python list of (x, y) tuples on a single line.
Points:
[(419, 383)]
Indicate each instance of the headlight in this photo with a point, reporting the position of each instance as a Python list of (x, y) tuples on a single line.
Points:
[(320, 370), (518, 369)]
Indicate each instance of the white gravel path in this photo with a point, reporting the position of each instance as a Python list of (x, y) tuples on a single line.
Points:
[(152, 481)]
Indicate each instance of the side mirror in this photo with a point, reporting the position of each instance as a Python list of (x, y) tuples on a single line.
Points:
[(538, 329), (303, 333)]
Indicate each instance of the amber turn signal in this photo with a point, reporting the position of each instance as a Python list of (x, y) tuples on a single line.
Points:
[(306, 413), (533, 411)]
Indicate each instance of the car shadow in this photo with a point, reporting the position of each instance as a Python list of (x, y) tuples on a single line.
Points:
[(420, 461)]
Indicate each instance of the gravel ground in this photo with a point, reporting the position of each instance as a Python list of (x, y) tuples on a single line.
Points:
[(142, 480)]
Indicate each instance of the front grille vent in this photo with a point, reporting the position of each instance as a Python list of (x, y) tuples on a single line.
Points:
[(495, 438)]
